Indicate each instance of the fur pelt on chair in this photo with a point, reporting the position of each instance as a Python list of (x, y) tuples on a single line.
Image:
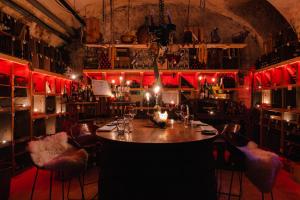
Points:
[(55, 153), (262, 166)]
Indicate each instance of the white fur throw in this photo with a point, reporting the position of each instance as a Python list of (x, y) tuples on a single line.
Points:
[(262, 166), (45, 150)]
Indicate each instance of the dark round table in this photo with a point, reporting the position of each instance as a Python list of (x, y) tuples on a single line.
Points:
[(154, 163)]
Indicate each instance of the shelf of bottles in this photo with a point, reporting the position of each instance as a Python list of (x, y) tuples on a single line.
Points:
[(276, 95), (15, 40), (180, 57), (280, 47), (203, 84), (15, 106), (277, 85)]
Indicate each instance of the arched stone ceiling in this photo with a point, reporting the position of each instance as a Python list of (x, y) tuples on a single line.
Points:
[(290, 9), (257, 16)]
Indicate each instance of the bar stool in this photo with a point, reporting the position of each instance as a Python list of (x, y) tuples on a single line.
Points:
[(262, 167), (54, 154), (228, 157)]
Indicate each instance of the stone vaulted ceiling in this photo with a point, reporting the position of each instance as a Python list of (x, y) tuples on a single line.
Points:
[(260, 17)]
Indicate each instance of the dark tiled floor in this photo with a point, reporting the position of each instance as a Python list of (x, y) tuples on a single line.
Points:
[(285, 188)]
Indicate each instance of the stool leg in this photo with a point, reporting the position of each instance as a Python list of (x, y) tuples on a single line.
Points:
[(220, 188), (63, 184), (81, 187), (241, 185), (272, 195), (69, 188), (33, 186), (50, 192), (230, 186)]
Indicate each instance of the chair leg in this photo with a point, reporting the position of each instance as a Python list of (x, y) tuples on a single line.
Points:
[(262, 196), (69, 188), (62, 184), (272, 197), (51, 177), (241, 185), (230, 186), (81, 187), (33, 186)]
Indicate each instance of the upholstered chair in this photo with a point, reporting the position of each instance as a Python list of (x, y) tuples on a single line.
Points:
[(55, 154)]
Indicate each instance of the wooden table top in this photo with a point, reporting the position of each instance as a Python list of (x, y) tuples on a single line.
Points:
[(145, 132)]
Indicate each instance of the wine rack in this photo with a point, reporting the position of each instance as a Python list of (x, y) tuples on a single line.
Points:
[(30, 102), (280, 114)]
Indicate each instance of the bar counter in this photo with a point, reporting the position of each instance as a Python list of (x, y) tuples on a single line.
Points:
[(154, 163)]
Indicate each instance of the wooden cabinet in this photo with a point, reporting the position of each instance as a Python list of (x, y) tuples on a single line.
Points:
[(30, 103), (277, 96)]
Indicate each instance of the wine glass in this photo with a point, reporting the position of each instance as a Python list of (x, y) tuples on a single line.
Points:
[(121, 126)]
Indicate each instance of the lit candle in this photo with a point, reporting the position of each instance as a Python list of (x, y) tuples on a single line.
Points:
[(187, 110), (148, 96), (156, 89), (73, 76)]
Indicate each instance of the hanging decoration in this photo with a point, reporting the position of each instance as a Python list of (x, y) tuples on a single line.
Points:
[(163, 30), (128, 38)]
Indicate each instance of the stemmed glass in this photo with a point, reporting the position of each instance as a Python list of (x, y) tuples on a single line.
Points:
[(121, 126)]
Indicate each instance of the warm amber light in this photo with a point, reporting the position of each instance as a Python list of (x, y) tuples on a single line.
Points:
[(163, 116), (156, 89), (200, 78), (213, 80), (113, 81), (73, 76), (147, 96), (128, 82)]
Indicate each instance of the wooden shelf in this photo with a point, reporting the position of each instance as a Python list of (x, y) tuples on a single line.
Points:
[(23, 139), (44, 72), (38, 115), (21, 153), (281, 110), (188, 46), (21, 87), (5, 110), (277, 87), (39, 93), (13, 59), (4, 85), (6, 144), (22, 108), (286, 62), (206, 71), (43, 115)]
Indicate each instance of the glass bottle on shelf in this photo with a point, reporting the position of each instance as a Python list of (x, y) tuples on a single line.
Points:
[(201, 92), (205, 89)]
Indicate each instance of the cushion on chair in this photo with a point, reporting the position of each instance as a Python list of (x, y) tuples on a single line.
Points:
[(43, 151), (262, 166), (73, 161)]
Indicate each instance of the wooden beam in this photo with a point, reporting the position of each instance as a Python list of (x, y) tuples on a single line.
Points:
[(74, 13), (53, 17), (145, 46), (32, 17)]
